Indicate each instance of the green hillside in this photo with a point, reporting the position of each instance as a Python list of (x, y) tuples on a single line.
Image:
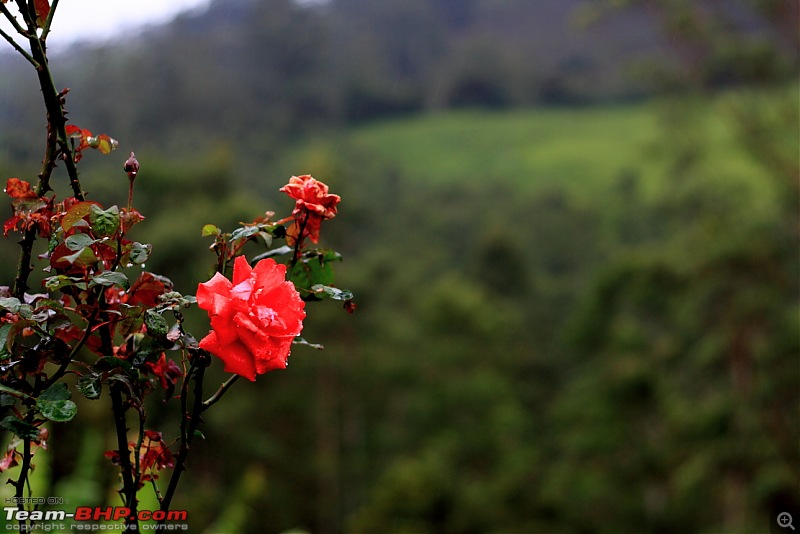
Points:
[(584, 151), (559, 311)]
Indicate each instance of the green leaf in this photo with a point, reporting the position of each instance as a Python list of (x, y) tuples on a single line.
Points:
[(56, 392), (210, 229), (245, 232), (59, 411), (7, 400), (91, 386), (54, 403), (20, 428), (58, 281), (83, 257), (5, 351), (156, 325), (13, 392), (314, 268), (78, 241), (266, 237), (332, 292), (10, 303), (132, 319), (140, 253), (16, 328), (76, 213), (149, 349), (110, 278), (108, 363), (104, 223), (285, 249)]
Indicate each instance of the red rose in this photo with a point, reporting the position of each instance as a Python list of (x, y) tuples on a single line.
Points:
[(253, 319), (313, 204)]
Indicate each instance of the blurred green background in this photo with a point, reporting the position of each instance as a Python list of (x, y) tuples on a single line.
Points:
[(572, 232)]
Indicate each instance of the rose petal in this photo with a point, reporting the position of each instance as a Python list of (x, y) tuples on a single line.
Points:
[(235, 356), (208, 291), (241, 270)]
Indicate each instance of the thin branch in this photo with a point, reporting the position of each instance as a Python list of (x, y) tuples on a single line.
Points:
[(46, 27), (220, 392), (189, 424), (25, 467), (18, 48), (13, 20), (298, 243), (128, 491)]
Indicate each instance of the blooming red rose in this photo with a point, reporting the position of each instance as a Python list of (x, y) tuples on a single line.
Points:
[(313, 204), (254, 319)]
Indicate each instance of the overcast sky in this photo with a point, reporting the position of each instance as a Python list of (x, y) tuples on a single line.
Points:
[(99, 19)]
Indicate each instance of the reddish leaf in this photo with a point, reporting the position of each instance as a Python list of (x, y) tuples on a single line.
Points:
[(75, 213), (67, 261), (10, 458), (105, 253), (42, 10), (129, 217), (16, 188), (145, 291), (11, 224)]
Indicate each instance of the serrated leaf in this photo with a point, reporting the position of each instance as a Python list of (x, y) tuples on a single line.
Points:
[(91, 386), (244, 232), (104, 222), (83, 257), (156, 325), (76, 213), (58, 281), (132, 319), (56, 392), (314, 268), (20, 428), (332, 292), (139, 253), (54, 403), (149, 349), (78, 241), (58, 411), (110, 278)]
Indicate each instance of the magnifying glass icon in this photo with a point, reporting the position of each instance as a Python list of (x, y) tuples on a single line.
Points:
[(785, 520)]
